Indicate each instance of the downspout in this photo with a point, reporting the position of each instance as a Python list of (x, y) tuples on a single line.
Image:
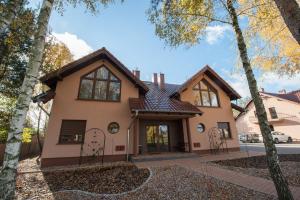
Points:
[(128, 134)]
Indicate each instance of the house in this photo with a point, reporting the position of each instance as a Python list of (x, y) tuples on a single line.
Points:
[(97, 100), (283, 112)]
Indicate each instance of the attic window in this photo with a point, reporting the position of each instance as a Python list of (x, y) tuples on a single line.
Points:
[(205, 95), (100, 84)]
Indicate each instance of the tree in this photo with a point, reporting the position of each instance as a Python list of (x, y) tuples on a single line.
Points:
[(14, 139), (16, 49), (184, 22), (56, 55), (274, 47), (8, 15), (290, 11)]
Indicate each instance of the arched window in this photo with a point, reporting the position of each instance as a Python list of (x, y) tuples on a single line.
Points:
[(100, 84), (205, 94)]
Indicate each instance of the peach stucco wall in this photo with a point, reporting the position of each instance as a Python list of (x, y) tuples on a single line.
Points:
[(210, 117), (98, 114), (288, 113)]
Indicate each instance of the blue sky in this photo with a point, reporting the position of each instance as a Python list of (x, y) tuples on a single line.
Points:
[(124, 30)]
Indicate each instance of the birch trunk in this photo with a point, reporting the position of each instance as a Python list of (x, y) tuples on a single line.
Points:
[(281, 184), (14, 140), (290, 11)]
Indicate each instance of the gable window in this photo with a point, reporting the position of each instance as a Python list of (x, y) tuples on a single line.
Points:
[(273, 113), (224, 129), (100, 84), (205, 94), (72, 131)]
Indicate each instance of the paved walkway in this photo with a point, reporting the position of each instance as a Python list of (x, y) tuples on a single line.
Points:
[(200, 165)]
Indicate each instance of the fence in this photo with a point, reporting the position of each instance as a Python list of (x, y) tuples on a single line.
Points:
[(27, 150)]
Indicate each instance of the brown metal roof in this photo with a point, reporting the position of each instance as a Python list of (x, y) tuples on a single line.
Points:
[(159, 100), (233, 95), (291, 96), (52, 78)]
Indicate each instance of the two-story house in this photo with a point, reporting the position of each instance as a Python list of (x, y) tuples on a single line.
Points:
[(283, 112), (97, 100)]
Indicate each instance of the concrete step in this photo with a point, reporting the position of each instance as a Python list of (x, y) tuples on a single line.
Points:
[(163, 156)]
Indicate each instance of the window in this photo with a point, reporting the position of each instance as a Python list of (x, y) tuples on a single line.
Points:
[(200, 128), (273, 113), (255, 114), (113, 127), (205, 95), (101, 85), (225, 129), (72, 131)]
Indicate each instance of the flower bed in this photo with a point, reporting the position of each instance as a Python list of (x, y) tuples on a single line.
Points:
[(109, 180), (257, 166)]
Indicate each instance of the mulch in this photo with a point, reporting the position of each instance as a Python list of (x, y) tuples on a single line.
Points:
[(102, 180), (257, 166)]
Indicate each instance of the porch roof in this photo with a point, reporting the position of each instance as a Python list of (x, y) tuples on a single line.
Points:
[(158, 100)]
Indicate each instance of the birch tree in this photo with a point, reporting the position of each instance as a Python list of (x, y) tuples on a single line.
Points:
[(184, 22), (290, 11), (14, 139)]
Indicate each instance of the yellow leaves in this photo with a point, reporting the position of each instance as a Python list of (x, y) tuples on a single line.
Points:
[(27, 134), (275, 48)]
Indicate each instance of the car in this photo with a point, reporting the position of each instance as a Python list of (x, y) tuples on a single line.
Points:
[(250, 137), (281, 137)]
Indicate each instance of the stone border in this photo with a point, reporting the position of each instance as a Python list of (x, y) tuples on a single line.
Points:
[(107, 195)]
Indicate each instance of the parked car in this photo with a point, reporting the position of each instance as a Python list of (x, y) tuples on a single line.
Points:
[(281, 137), (250, 137)]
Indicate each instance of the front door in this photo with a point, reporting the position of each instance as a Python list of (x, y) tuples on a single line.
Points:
[(157, 138)]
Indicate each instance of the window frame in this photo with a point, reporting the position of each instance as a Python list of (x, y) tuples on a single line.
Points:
[(70, 143), (94, 79), (272, 111), (209, 88), (229, 130)]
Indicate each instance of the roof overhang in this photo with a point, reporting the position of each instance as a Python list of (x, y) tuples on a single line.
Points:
[(208, 71), (51, 79)]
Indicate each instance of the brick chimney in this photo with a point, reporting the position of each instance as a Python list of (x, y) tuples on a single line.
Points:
[(154, 78), (136, 73), (283, 91), (161, 81)]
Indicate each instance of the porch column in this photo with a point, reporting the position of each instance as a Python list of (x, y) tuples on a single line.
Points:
[(136, 133), (187, 122)]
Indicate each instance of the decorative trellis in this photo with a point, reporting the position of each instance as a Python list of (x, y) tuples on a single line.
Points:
[(217, 141), (93, 147)]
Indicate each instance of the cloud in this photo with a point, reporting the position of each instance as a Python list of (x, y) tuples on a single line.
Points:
[(270, 81), (214, 33), (77, 46)]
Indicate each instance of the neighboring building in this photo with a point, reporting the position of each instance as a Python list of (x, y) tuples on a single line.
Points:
[(98, 91), (283, 111)]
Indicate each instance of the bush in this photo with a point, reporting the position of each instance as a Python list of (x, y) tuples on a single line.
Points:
[(26, 137)]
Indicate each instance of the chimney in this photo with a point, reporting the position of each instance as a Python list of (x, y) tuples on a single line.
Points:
[(283, 91), (161, 81), (136, 73), (154, 78)]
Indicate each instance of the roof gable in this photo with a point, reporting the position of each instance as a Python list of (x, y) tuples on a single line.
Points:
[(51, 79), (208, 71)]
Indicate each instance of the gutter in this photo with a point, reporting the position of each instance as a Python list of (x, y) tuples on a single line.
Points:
[(128, 134)]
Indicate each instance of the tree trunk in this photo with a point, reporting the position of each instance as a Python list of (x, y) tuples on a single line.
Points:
[(290, 11), (12, 9), (14, 140), (281, 184)]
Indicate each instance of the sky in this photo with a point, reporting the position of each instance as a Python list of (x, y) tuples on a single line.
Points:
[(124, 30)]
